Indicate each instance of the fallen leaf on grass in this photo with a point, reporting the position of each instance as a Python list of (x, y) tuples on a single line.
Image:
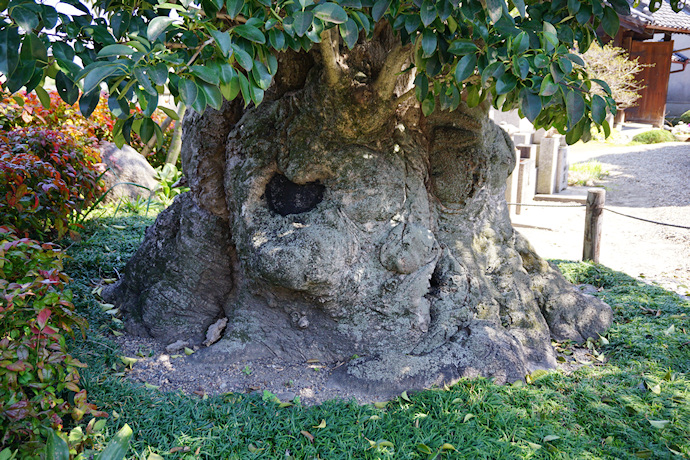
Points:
[(659, 423), (447, 446), (188, 351), (551, 437), (320, 425), (404, 396), (180, 449), (644, 453), (308, 435), (380, 405), (467, 418)]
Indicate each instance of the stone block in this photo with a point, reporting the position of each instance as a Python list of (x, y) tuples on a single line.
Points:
[(528, 151), (562, 169), (547, 164), (522, 138), (525, 182)]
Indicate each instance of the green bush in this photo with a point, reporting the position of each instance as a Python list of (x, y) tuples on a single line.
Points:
[(39, 380), (46, 179), (655, 136), (685, 118)]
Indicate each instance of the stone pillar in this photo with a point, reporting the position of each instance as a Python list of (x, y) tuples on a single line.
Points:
[(562, 169), (547, 164)]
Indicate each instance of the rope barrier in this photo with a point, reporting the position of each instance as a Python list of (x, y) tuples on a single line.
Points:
[(646, 220), (606, 208), (549, 205)]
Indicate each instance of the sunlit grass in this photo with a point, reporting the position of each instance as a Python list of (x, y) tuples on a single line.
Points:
[(635, 405), (586, 173)]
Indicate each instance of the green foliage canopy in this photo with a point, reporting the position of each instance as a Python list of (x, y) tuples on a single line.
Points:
[(516, 53)]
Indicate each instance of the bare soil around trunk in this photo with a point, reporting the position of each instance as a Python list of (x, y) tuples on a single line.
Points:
[(651, 182)]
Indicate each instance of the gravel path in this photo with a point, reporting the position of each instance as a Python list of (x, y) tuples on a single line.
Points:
[(651, 182)]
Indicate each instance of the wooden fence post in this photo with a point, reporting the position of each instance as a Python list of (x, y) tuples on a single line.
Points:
[(593, 224)]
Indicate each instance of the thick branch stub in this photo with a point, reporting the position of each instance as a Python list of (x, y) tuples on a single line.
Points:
[(388, 77), (330, 63)]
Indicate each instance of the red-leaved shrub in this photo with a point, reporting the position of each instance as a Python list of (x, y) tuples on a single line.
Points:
[(46, 179), (37, 374)]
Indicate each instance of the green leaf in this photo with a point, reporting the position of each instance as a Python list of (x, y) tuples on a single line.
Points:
[(302, 22), (205, 74), (99, 73), (234, 7), (428, 106), (473, 96), (170, 113), (520, 5), (506, 83), (573, 7), (223, 40), (610, 22), (330, 12), (550, 438), (379, 9), (88, 102), (68, 91), (598, 110), (56, 447), (603, 84), (188, 91), (495, 9), (143, 79), (158, 73), (277, 39), (118, 446), (214, 98), (249, 32), (157, 26), (43, 96), (530, 104), (242, 57), (421, 86), (349, 32), (428, 42), (261, 75), (427, 12), (575, 107), (521, 43), (146, 130), (424, 449), (37, 50), (116, 50), (244, 88), (462, 47), (9, 44), (24, 17), (548, 86), (465, 67)]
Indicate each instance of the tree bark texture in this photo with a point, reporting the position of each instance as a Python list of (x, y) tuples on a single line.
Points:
[(331, 222)]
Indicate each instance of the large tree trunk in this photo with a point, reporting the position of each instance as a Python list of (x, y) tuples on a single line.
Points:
[(330, 222)]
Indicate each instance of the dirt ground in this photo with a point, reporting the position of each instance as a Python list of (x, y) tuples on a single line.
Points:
[(651, 182)]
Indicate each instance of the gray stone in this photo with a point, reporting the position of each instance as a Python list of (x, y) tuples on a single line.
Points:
[(125, 167), (547, 165), (176, 346)]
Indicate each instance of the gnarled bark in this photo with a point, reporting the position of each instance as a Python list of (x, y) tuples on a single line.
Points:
[(328, 223)]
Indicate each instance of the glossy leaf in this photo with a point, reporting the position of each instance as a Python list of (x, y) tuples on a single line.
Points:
[(157, 26), (56, 447), (249, 32), (349, 32), (465, 67), (330, 12), (575, 106)]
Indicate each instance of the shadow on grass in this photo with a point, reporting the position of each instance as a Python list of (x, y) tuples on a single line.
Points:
[(635, 405)]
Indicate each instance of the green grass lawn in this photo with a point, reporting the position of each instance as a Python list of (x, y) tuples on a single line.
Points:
[(635, 405)]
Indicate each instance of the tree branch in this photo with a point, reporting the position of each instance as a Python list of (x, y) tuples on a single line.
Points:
[(388, 76), (330, 63)]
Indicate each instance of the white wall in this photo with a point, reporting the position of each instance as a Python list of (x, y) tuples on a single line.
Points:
[(678, 98)]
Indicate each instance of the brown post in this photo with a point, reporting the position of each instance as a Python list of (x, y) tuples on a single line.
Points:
[(593, 224)]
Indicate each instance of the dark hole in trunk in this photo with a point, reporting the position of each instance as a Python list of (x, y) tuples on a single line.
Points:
[(285, 197)]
